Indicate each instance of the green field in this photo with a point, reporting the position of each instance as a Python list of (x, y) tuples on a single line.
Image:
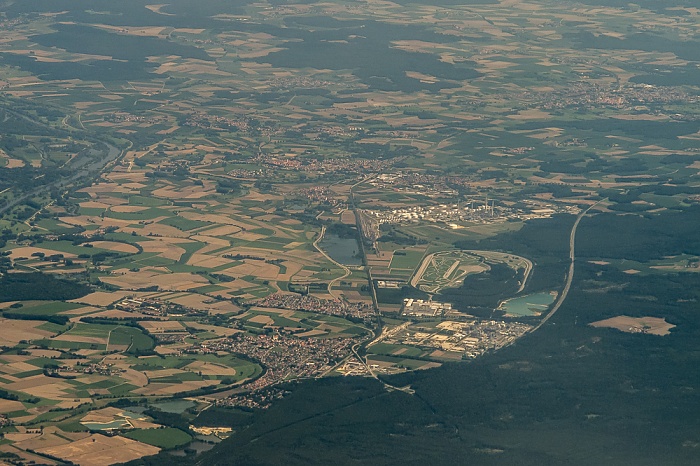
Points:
[(218, 139), (38, 308), (69, 345), (183, 223), (166, 438), (406, 259), (135, 339)]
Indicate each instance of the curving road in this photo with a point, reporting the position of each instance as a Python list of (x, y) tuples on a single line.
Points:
[(346, 271), (570, 274)]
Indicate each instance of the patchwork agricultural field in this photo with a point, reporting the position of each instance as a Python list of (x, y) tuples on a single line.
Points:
[(91, 361), (304, 324), (204, 210)]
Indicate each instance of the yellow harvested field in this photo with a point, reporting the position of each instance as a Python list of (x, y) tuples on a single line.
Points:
[(7, 406), (29, 250), (79, 312), (158, 229), (203, 260), (446, 355), (47, 438), (72, 403), (80, 220), (14, 163), (21, 436), (27, 458), (246, 236), (101, 298), (107, 415), (211, 218), (257, 196), (162, 373), (212, 243), (81, 339), (162, 326), (303, 275), (16, 364), (42, 386), (311, 333), (651, 325), (258, 269), (262, 319), (165, 281), (102, 415), (211, 369), (13, 331), (94, 205), (164, 249), (100, 450), (134, 377), (223, 307), (195, 301), (45, 353)]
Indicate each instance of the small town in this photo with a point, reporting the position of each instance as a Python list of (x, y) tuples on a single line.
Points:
[(284, 357), (322, 306)]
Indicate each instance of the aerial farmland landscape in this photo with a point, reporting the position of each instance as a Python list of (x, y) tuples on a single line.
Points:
[(376, 232)]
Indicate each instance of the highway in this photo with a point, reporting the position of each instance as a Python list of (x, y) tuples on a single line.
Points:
[(363, 360), (570, 274)]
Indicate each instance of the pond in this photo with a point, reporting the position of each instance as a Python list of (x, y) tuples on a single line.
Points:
[(530, 305), (197, 446), (342, 250)]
